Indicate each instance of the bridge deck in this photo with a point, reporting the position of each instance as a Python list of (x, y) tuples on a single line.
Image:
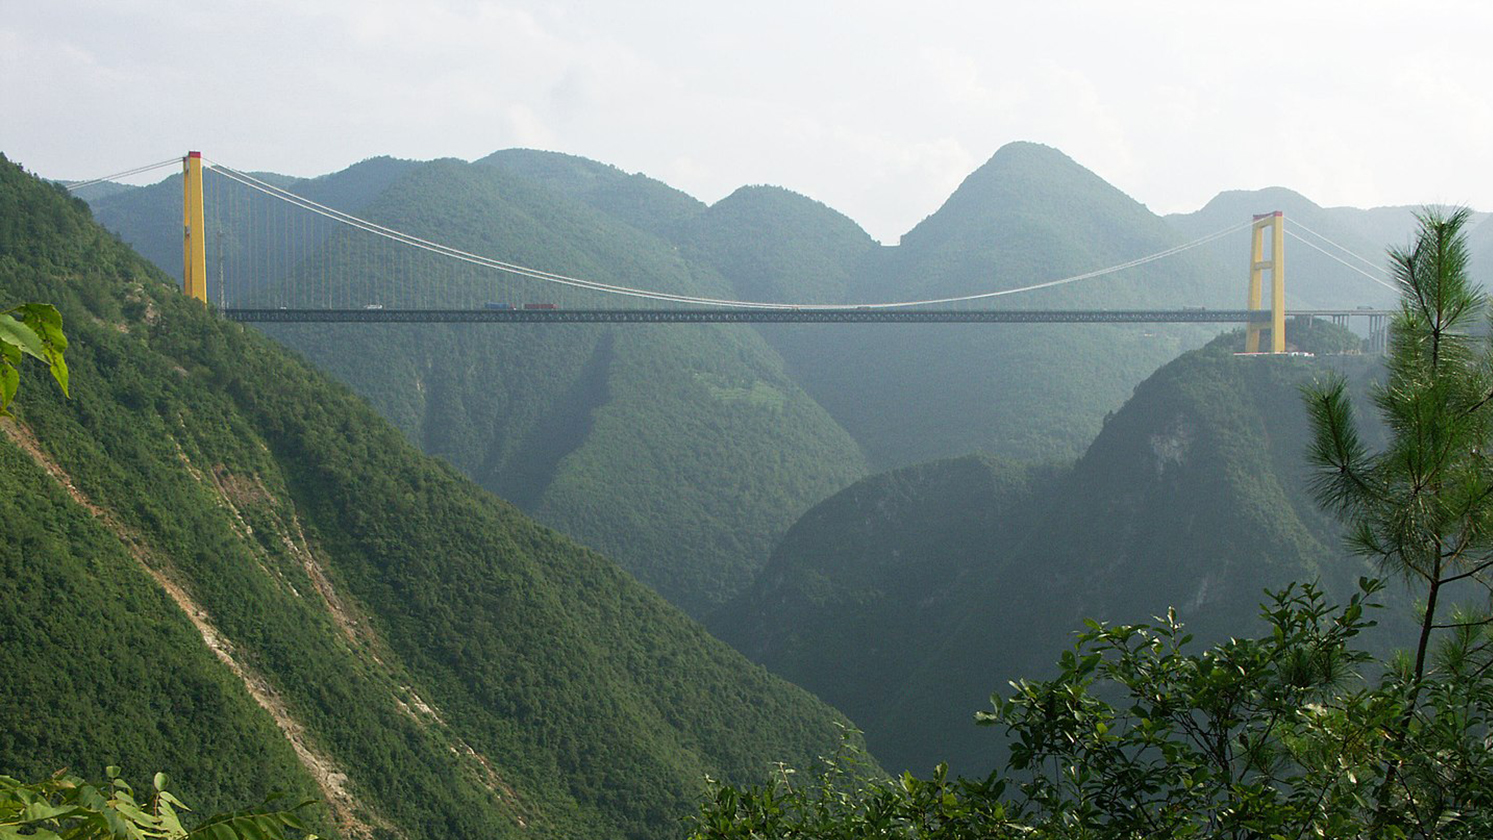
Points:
[(807, 315)]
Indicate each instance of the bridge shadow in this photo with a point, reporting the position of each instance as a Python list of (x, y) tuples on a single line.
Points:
[(529, 472)]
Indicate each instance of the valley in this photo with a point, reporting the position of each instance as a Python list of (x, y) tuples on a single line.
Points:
[(330, 526), (617, 434), (553, 420)]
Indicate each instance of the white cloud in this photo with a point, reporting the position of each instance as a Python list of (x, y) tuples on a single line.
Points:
[(878, 111)]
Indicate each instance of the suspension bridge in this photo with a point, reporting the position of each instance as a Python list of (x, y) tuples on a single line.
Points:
[(280, 256)]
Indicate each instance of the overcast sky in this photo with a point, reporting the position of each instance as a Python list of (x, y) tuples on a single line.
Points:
[(877, 109)]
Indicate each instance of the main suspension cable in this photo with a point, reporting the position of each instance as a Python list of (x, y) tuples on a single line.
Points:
[(139, 170), (1310, 244), (628, 291), (1368, 262)]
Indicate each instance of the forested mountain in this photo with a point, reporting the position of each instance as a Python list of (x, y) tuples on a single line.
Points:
[(635, 198), (767, 243), (776, 245), (681, 451), (909, 597), (907, 393), (685, 452), (1030, 214), (224, 566)]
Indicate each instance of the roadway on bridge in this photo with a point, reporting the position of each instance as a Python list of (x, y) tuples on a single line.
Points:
[(803, 315)]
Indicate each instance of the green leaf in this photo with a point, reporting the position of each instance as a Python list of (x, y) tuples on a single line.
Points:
[(40, 809), (166, 796), (10, 833), (46, 322), (170, 823), (21, 336), (135, 814), (57, 366), (10, 381)]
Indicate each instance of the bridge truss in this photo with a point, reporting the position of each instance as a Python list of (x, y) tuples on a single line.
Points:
[(819, 315)]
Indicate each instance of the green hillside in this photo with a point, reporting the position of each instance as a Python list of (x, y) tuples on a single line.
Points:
[(909, 597), (776, 245), (443, 665), (858, 588), (683, 452)]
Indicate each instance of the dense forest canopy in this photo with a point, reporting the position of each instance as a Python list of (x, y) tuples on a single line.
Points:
[(444, 665), (903, 599), (1287, 731), (225, 566)]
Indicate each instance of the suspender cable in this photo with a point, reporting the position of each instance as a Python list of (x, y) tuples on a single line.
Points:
[(575, 282), (1308, 243)]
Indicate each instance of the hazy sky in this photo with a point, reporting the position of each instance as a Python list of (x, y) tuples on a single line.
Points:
[(877, 109)]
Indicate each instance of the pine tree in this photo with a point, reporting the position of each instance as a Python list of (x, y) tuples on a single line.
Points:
[(1422, 507)]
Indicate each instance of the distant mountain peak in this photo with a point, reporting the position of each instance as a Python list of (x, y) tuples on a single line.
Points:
[(767, 198), (637, 199), (763, 192), (545, 159), (1267, 200), (1024, 178), (1019, 149)]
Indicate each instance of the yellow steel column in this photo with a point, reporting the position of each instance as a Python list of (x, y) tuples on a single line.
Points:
[(1256, 265), (1277, 265), (194, 230), (1278, 286)]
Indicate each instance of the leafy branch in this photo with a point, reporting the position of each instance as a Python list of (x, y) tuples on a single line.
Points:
[(35, 330), (65, 807)]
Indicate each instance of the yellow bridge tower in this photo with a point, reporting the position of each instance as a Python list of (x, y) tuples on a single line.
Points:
[(194, 229), (1277, 265)]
